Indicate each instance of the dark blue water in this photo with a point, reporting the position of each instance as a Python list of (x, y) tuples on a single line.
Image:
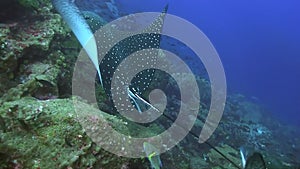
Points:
[(258, 43)]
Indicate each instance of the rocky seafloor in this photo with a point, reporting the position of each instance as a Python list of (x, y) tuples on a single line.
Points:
[(38, 124)]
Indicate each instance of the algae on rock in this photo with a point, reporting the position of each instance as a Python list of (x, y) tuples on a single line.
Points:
[(26, 38), (46, 134), (38, 130), (217, 160)]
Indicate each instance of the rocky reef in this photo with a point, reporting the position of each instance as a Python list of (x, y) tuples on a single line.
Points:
[(40, 129), (46, 134)]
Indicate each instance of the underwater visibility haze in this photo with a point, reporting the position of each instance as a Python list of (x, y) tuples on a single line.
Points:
[(257, 42), (109, 84)]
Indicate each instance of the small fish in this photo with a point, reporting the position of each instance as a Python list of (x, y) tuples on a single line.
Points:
[(152, 155), (243, 156), (134, 98), (255, 161), (138, 100)]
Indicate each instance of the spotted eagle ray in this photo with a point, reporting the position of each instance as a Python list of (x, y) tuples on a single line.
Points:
[(84, 24), (126, 47)]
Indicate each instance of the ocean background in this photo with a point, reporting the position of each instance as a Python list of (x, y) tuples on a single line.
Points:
[(48, 120), (258, 44)]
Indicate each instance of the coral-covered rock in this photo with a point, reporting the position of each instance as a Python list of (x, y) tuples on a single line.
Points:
[(27, 36), (217, 160), (46, 134)]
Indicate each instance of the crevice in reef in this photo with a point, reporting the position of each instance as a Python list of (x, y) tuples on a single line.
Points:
[(11, 11)]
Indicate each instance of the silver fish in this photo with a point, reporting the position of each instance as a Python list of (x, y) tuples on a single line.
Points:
[(152, 155), (255, 161)]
